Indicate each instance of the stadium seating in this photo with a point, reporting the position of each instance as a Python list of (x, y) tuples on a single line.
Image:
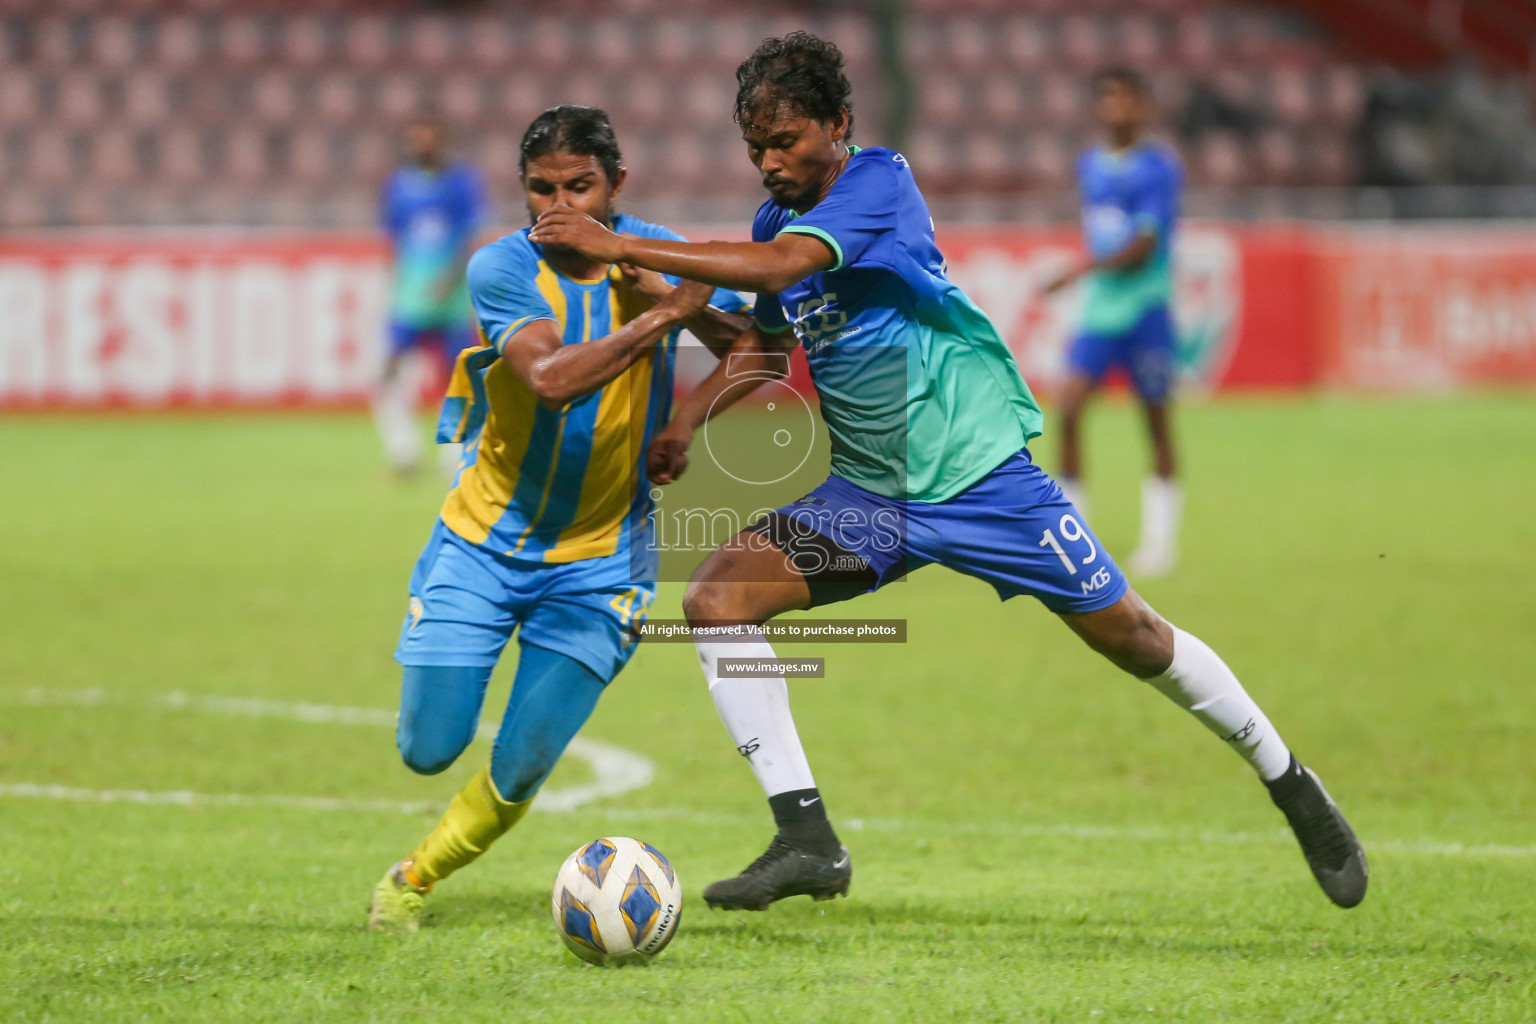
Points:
[(262, 107)]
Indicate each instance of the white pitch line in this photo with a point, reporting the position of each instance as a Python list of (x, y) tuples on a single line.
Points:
[(1082, 833), (186, 798), (615, 770)]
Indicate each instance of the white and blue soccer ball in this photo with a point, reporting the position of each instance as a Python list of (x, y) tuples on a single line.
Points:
[(617, 901)]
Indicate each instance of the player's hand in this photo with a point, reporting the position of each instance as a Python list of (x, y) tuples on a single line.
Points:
[(667, 457), (1059, 282), (578, 231), (647, 284), (686, 299)]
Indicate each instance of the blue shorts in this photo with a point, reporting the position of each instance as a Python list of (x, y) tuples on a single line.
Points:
[(467, 601), (446, 341), (1144, 352), (1013, 528)]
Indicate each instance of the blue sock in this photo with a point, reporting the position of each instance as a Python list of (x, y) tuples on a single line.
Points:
[(439, 712), (552, 697)]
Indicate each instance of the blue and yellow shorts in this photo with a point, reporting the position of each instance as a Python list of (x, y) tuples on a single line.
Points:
[(466, 602)]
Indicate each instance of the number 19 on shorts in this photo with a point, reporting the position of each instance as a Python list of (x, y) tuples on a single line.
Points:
[(1073, 532)]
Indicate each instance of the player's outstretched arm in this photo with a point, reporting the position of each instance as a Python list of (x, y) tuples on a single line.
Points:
[(1132, 255), (718, 329), (769, 267), (558, 374), (754, 358), (715, 327)]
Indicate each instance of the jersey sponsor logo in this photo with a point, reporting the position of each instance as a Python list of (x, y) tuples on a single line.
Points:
[(815, 319), (1098, 581), (1108, 228), (417, 609)]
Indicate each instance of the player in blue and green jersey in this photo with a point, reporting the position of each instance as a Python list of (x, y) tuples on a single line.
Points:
[(543, 532), (929, 422), (431, 209), (1130, 189)]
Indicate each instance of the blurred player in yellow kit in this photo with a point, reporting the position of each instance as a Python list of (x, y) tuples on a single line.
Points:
[(545, 529)]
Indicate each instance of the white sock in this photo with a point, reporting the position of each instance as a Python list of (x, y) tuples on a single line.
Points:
[(448, 458), (1072, 487), (756, 713), (1201, 683), (1162, 501), (395, 415)]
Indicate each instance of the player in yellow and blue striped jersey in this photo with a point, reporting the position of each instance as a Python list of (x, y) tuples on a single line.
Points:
[(544, 530)]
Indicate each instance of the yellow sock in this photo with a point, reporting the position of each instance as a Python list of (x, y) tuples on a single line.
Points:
[(477, 817)]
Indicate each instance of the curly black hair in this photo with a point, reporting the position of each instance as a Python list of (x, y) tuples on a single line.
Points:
[(584, 131), (800, 70)]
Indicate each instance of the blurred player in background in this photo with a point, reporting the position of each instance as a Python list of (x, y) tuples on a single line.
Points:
[(1130, 188), (544, 529), (930, 423), (431, 210)]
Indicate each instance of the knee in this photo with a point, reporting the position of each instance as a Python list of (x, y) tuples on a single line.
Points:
[(707, 600), (1072, 404), (427, 758), (427, 751), (1147, 650), (439, 712), (1142, 646)]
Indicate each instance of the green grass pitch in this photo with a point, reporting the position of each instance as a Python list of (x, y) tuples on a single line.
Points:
[(1034, 836)]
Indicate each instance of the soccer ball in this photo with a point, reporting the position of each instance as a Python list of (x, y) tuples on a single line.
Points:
[(616, 901)]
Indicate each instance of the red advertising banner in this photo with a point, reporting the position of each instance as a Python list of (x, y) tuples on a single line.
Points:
[(188, 320), (1426, 308), (232, 320), (1004, 272)]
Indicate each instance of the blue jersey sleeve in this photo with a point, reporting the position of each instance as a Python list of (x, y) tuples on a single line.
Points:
[(503, 289), (1155, 205), (858, 217), (768, 314)]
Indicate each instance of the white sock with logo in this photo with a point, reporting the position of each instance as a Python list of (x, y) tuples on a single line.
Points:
[(1201, 683), (756, 712), (1072, 487)]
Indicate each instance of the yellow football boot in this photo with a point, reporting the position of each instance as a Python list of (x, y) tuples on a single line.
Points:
[(397, 902)]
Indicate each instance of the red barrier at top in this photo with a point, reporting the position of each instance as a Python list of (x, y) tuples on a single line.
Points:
[(1425, 308), (1241, 320), (252, 320), (147, 320)]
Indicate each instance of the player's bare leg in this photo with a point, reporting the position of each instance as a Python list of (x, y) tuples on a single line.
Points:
[(1138, 640), (737, 589), (1161, 500), (1074, 399)]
